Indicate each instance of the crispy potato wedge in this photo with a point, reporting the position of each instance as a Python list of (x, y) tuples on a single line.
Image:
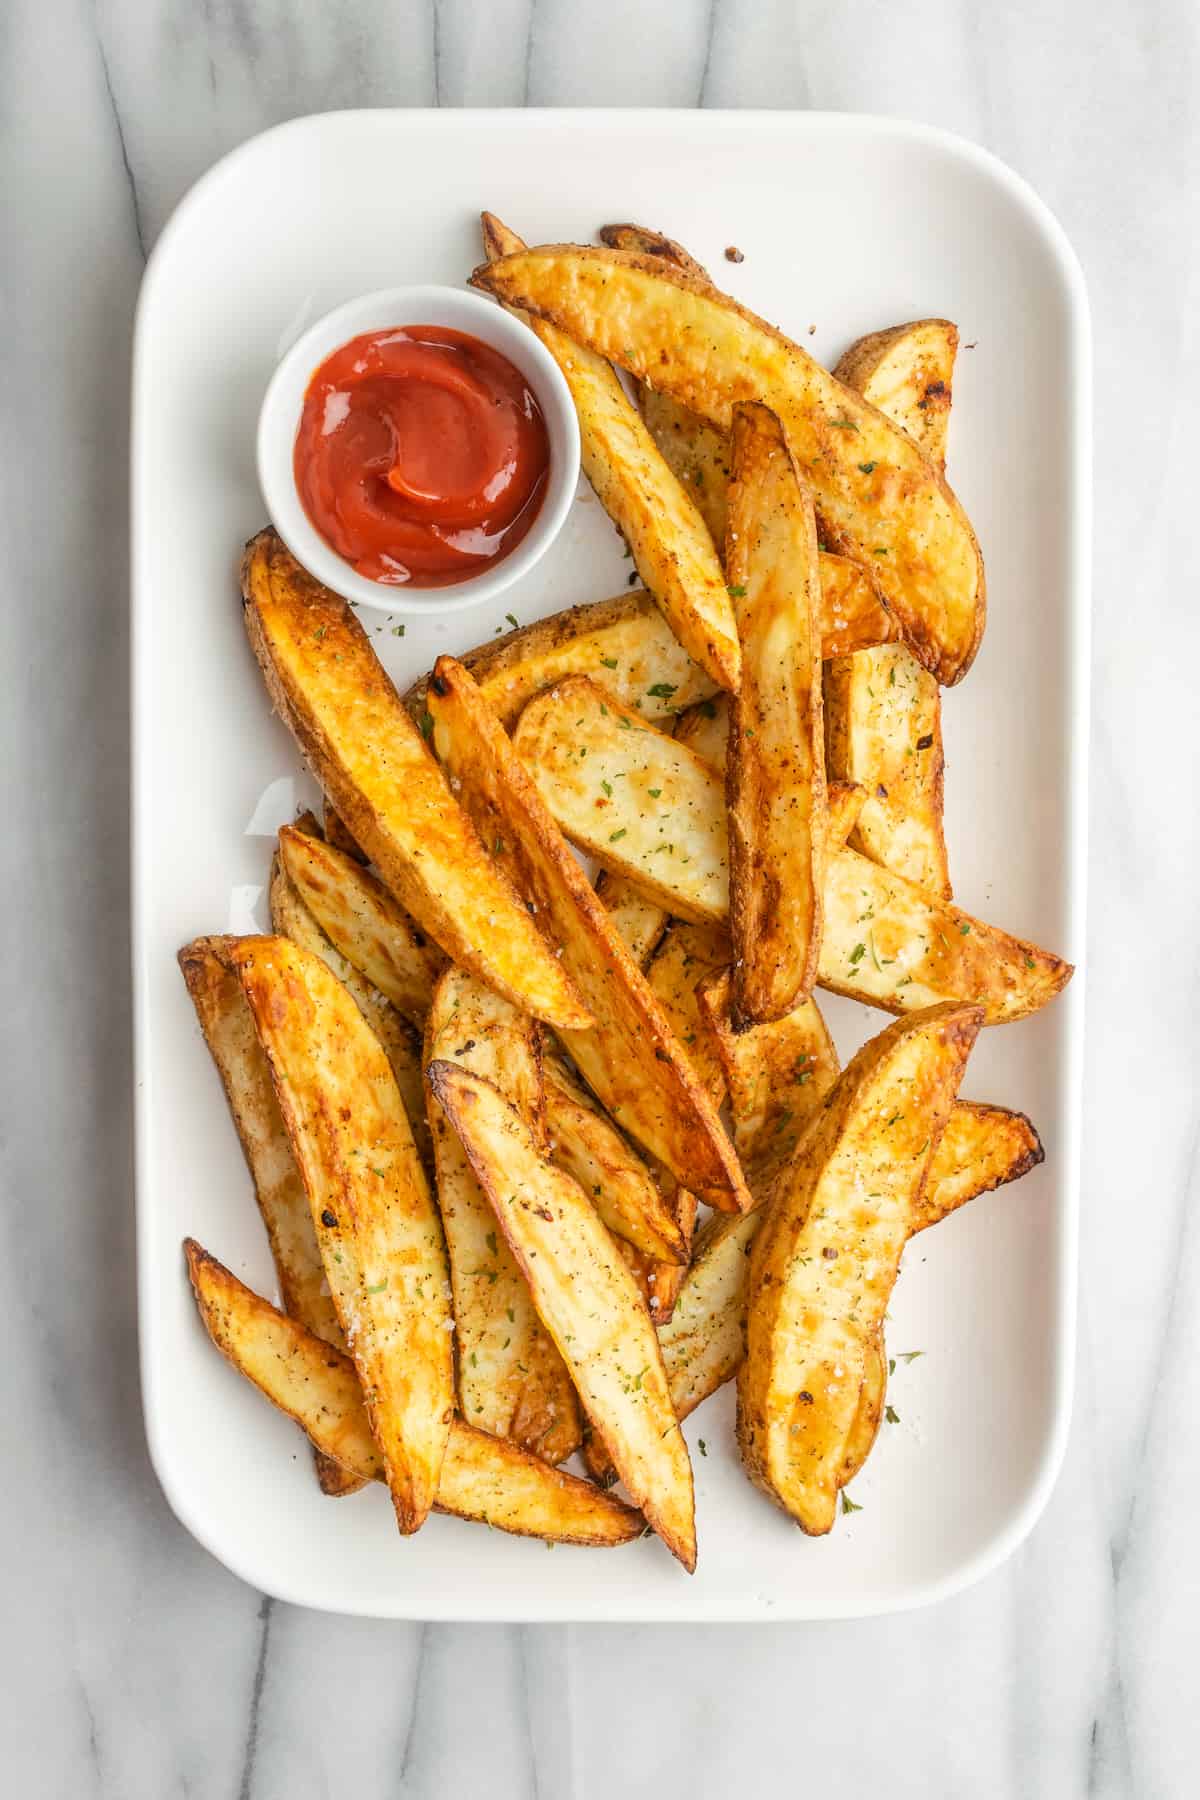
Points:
[(585, 1142), (624, 642), (907, 371), (981, 1148), (883, 941), (687, 956), (630, 795), (777, 1074), (704, 730), (868, 1415), (587, 1300), (880, 500), (892, 945), (636, 919), (826, 1258), (883, 710), (775, 768), (401, 1042), (645, 242), (511, 1379), (883, 730), (375, 1218), (228, 1029), (670, 543), (481, 1477), (631, 1060), (332, 691), (338, 833), (359, 916)]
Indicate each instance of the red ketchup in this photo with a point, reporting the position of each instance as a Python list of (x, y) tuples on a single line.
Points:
[(421, 455)]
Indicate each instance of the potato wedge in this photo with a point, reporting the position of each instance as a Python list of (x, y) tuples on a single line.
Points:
[(982, 1148), (586, 1144), (359, 916), (883, 941), (704, 730), (375, 1218), (648, 806), (587, 1300), (883, 710), (481, 1477), (777, 1074), (687, 956), (868, 1414), (511, 1380), (907, 371), (624, 642), (332, 691), (401, 1042), (645, 242), (338, 833), (631, 1060), (669, 541), (879, 499), (228, 1029), (636, 919), (775, 768), (825, 1261)]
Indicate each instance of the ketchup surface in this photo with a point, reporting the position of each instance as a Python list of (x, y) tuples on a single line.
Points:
[(421, 455)]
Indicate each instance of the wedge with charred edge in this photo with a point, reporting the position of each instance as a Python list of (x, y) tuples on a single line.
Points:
[(585, 1142), (687, 956), (883, 940), (826, 1258), (637, 920), (339, 834), (704, 730), (481, 1477), (631, 1060), (669, 541), (879, 499), (359, 916), (631, 795), (981, 1148), (883, 710), (401, 1043), (587, 1300), (645, 242), (775, 769), (778, 1075), (334, 694), (228, 1028), (511, 1379), (375, 1218)]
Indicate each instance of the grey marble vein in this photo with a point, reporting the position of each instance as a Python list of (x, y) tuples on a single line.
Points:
[(135, 1667)]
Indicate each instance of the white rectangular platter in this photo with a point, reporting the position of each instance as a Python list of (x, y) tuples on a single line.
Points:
[(847, 225)]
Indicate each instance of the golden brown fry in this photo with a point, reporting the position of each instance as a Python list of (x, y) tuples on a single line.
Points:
[(334, 694), (482, 1477), (630, 795), (587, 1300), (687, 956), (375, 1219), (883, 710), (360, 918), (585, 1142), (229, 1032), (631, 1060), (511, 1379), (669, 541), (775, 768), (868, 1415), (401, 1042), (880, 501), (982, 1148), (825, 1261), (646, 242), (636, 919)]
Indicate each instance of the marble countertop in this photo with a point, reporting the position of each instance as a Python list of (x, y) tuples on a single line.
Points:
[(133, 1665)]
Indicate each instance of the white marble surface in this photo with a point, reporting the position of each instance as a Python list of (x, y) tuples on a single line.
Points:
[(132, 1666)]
